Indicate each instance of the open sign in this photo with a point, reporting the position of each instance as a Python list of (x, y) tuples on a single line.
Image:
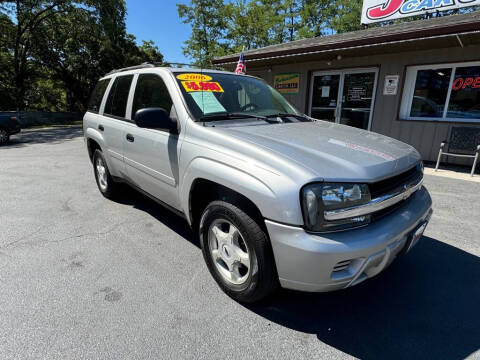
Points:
[(463, 83)]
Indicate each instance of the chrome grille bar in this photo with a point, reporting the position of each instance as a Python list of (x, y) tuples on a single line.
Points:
[(374, 205)]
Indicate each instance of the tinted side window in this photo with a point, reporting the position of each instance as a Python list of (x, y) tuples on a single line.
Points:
[(151, 91), (97, 95), (118, 97)]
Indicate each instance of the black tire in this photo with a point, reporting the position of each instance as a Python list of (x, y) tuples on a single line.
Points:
[(110, 191), (262, 278), (4, 136)]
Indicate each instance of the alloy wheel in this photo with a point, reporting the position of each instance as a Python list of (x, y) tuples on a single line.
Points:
[(229, 252), (3, 136), (101, 174)]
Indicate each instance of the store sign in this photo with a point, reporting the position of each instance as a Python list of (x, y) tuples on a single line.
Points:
[(383, 10), (287, 83), (356, 93), (391, 85), (468, 82)]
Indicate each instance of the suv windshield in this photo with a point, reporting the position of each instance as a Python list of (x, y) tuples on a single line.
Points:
[(210, 94)]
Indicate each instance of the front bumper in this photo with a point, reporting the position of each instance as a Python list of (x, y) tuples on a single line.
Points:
[(327, 262)]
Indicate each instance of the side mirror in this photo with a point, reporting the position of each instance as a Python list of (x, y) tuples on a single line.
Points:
[(156, 118)]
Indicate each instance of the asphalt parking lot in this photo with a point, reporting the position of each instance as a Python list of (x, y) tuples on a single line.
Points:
[(82, 277)]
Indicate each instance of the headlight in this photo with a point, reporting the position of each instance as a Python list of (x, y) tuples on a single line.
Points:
[(320, 197)]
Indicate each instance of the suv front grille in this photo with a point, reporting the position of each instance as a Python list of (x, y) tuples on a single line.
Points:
[(389, 185), (393, 184)]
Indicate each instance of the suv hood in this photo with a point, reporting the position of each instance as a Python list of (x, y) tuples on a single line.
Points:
[(330, 151)]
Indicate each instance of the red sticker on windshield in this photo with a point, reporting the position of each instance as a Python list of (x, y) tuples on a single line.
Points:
[(202, 86)]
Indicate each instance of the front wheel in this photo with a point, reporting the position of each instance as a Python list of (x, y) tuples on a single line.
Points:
[(237, 252), (4, 136)]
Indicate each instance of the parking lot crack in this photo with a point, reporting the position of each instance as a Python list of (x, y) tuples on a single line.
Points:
[(18, 242)]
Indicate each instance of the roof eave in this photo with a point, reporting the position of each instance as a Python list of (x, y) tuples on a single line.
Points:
[(413, 34)]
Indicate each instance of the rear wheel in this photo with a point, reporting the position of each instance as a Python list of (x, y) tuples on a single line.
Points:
[(4, 136), (105, 183), (237, 252)]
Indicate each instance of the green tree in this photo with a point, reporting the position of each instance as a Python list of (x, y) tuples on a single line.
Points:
[(344, 15), (28, 15), (149, 52), (69, 50), (208, 24), (247, 25), (7, 31), (313, 18)]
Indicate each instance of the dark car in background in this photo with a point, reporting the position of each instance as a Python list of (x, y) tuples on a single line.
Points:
[(9, 125)]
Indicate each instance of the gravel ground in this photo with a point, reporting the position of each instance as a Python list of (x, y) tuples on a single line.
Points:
[(82, 277)]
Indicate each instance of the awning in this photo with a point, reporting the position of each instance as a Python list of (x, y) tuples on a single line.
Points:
[(448, 31)]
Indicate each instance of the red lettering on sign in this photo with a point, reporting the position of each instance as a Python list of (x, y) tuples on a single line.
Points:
[(384, 10), (457, 84), (476, 84), (468, 82), (192, 85), (462, 83)]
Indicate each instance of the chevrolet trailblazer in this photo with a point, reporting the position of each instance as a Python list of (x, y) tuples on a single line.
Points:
[(277, 198)]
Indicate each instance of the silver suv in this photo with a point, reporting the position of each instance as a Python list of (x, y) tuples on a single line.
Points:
[(276, 197)]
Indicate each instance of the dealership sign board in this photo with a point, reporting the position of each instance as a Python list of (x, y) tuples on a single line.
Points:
[(287, 83), (384, 10)]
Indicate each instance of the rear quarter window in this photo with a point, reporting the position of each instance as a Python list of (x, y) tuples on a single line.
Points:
[(97, 96), (117, 100)]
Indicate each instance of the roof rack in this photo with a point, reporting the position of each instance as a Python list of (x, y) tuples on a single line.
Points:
[(165, 64), (141, 66)]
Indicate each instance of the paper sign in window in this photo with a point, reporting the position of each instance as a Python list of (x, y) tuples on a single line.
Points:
[(325, 91), (207, 102)]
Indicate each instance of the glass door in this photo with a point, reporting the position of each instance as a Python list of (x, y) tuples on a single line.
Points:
[(324, 101), (345, 97)]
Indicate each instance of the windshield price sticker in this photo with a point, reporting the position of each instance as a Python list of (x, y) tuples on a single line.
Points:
[(202, 86), (194, 77)]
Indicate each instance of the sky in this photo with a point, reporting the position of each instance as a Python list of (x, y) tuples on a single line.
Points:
[(158, 20)]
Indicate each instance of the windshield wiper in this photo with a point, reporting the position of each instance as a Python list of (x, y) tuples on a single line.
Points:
[(282, 115), (229, 116)]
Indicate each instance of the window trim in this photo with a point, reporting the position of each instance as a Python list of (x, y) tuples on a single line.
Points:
[(105, 96), (105, 92), (112, 82), (409, 90), (131, 97)]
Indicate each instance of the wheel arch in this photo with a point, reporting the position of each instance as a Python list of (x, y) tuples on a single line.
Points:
[(94, 141), (208, 180), (204, 191), (92, 145)]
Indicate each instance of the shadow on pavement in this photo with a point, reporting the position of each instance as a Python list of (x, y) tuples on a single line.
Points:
[(42, 136), (425, 306), (133, 198)]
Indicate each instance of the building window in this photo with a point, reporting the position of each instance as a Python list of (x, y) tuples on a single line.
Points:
[(448, 92)]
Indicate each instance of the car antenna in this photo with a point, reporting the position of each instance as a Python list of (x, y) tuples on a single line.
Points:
[(201, 89)]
